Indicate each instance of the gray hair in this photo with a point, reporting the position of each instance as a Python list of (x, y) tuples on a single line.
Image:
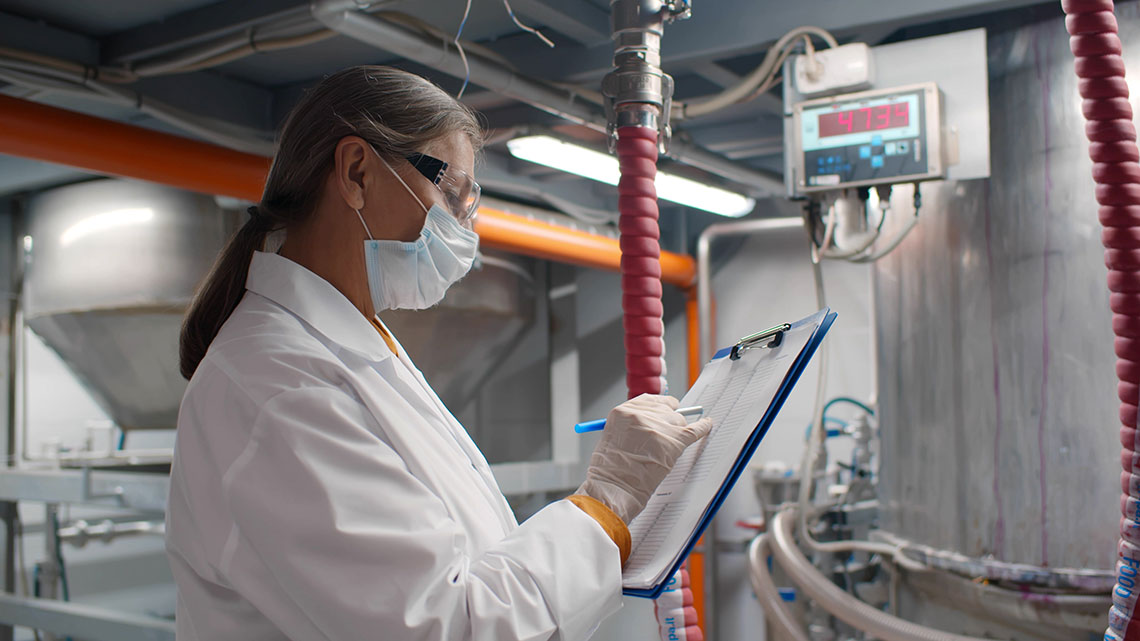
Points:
[(397, 112)]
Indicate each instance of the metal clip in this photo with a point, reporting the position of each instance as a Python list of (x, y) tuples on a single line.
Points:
[(776, 334)]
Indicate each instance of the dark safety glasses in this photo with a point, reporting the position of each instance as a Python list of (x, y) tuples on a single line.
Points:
[(458, 188)]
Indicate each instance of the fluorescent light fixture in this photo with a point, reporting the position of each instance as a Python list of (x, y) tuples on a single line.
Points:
[(574, 159), (105, 221)]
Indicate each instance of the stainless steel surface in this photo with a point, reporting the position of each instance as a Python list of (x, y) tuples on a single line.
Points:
[(114, 264), (457, 343), (83, 621), (995, 350), (112, 267), (142, 491)]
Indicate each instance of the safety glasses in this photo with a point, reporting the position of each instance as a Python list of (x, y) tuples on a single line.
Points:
[(458, 188)]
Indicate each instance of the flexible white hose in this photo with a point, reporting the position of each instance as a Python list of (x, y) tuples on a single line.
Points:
[(843, 606), (816, 435), (891, 245), (762, 74), (776, 612)]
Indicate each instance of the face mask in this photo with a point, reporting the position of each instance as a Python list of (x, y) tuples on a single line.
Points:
[(415, 275)]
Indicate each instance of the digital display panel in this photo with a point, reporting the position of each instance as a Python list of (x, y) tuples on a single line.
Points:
[(888, 116)]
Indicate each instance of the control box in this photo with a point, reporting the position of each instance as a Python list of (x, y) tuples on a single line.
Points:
[(885, 136)]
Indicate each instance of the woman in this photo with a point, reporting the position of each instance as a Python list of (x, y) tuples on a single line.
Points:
[(320, 489)]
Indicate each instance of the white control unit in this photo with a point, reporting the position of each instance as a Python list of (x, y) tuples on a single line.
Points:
[(885, 136)]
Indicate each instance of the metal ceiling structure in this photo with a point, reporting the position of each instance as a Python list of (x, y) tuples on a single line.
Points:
[(712, 50)]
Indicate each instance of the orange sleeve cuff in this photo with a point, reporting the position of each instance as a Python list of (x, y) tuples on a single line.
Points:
[(610, 522)]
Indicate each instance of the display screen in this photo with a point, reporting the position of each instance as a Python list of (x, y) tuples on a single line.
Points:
[(852, 121)]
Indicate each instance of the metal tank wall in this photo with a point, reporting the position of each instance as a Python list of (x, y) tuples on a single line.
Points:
[(994, 342), (113, 264)]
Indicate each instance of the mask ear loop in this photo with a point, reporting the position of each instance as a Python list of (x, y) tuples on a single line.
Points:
[(397, 175), (366, 230)]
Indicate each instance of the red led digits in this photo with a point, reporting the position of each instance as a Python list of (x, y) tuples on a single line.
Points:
[(852, 121)]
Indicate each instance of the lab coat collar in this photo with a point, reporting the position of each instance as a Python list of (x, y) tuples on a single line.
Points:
[(315, 301)]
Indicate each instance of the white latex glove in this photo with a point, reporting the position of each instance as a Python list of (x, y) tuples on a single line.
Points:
[(642, 440)]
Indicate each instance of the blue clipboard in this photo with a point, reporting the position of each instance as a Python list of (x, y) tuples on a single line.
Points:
[(790, 380)]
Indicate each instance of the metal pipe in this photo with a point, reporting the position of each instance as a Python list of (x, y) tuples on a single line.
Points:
[(839, 603), (513, 233), (103, 146), (107, 147), (81, 532), (706, 349), (760, 184), (83, 621), (346, 17), (704, 273)]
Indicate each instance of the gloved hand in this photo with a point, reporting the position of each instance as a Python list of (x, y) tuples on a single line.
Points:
[(642, 440)]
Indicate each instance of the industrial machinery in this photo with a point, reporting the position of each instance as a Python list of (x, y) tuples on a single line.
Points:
[(937, 173)]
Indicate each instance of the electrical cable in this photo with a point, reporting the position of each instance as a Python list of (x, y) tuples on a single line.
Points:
[(536, 32), (758, 78), (850, 401), (897, 240), (872, 238), (812, 461), (211, 129), (65, 589), (462, 54)]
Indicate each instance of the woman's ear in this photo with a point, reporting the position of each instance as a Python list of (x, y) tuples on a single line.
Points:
[(348, 170)]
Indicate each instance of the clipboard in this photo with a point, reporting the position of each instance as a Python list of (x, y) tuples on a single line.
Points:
[(765, 340)]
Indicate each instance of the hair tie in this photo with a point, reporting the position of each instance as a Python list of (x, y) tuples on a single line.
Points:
[(256, 216)]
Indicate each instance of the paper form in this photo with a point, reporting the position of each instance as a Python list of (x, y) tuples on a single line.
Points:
[(736, 395)]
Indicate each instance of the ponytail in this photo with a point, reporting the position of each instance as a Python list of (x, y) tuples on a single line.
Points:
[(221, 293), (397, 112)]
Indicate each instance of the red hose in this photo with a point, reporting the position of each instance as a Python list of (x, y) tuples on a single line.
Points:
[(1112, 147), (640, 261), (643, 322)]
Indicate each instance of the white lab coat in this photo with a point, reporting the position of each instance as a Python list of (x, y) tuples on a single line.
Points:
[(321, 491)]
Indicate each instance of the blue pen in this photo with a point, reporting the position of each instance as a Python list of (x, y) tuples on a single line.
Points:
[(594, 426)]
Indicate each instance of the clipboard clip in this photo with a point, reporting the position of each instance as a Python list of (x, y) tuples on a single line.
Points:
[(774, 336)]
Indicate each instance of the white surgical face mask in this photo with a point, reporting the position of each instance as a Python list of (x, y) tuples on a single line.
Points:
[(416, 275)]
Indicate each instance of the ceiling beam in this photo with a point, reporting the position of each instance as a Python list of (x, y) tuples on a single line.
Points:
[(195, 26), (30, 35), (583, 21), (737, 27)]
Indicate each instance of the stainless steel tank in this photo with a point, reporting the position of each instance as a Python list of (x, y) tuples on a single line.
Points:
[(114, 264), (995, 351)]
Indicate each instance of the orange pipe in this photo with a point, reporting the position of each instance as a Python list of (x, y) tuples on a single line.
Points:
[(101, 146), (696, 560), (514, 233)]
